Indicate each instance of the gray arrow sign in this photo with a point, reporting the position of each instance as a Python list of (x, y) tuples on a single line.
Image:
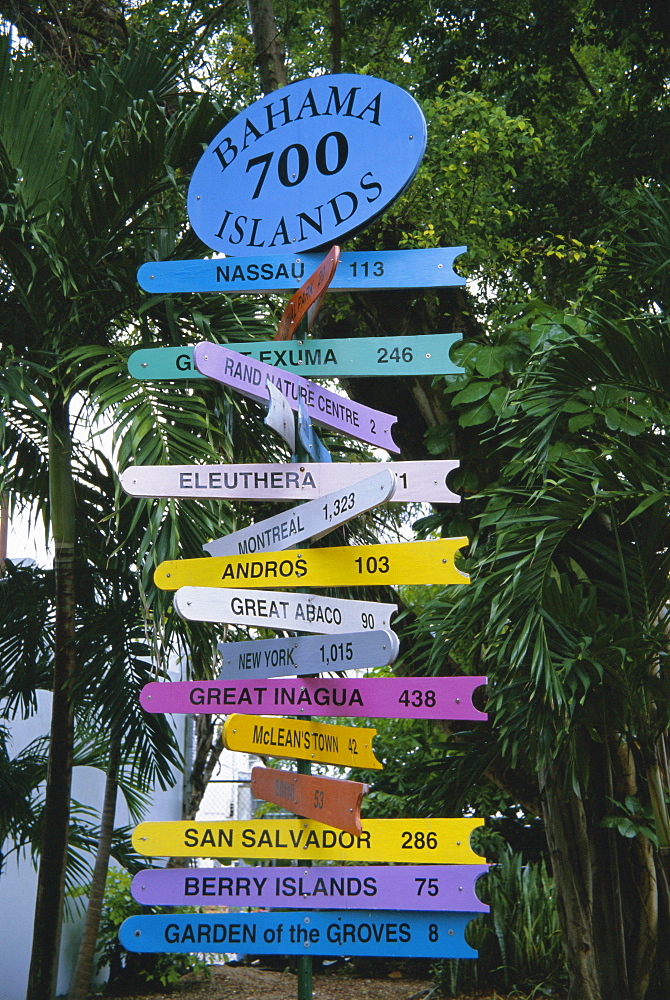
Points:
[(307, 654), (311, 520)]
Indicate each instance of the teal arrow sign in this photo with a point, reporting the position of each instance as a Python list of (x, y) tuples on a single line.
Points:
[(427, 354)]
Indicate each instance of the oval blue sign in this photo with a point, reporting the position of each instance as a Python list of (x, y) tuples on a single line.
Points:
[(306, 166)]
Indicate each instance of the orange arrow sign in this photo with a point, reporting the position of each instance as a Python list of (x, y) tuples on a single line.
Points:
[(332, 801), (309, 296)]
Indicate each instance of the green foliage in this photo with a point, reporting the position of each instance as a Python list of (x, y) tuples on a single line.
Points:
[(166, 969), (519, 941)]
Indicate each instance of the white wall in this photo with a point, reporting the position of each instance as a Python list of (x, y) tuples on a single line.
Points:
[(18, 882)]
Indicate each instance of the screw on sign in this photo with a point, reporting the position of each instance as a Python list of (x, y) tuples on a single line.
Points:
[(336, 932), (423, 354), (282, 610), (360, 697), (404, 841), (307, 654), (357, 272), (400, 887), (415, 481), (306, 166), (338, 566)]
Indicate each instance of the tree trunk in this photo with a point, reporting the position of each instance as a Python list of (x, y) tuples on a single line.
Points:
[(208, 747), (269, 49), (83, 972), (335, 29), (570, 854), (55, 832)]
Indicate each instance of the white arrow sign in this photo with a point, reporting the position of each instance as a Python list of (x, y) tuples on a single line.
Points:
[(312, 520), (415, 481), (307, 654), (280, 415), (271, 609)]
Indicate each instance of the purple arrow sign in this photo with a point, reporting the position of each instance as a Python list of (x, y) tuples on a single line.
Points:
[(378, 887), (248, 377), (367, 697)]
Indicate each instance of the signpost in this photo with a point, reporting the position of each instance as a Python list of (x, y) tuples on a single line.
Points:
[(358, 271), (424, 354), (349, 746), (405, 841), (349, 697), (338, 932), (415, 481), (307, 300), (339, 566), (403, 887), (339, 413), (308, 167), (301, 168), (295, 612), (313, 519), (307, 654), (329, 800)]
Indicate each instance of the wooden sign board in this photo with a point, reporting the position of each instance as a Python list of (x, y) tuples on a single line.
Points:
[(333, 801), (312, 444), (358, 271), (308, 298), (424, 354), (348, 697), (298, 739), (393, 564), (307, 654), (408, 841), (379, 887), (295, 612), (249, 378), (402, 934), (415, 481), (308, 167), (280, 415), (313, 519)]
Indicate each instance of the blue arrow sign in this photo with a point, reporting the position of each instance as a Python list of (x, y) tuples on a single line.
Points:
[(396, 934), (377, 270)]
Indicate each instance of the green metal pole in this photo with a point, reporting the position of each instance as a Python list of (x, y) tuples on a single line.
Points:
[(305, 969), (305, 961)]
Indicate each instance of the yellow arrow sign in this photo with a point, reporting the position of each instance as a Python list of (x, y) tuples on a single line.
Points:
[(339, 566), (301, 739), (413, 841)]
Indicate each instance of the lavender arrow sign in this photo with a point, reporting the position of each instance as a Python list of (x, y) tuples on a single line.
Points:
[(248, 377)]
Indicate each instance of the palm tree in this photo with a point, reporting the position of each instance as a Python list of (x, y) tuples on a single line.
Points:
[(566, 615), (90, 166)]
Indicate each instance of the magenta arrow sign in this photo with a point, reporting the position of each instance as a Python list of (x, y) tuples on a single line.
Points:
[(367, 697), (248, 377)]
